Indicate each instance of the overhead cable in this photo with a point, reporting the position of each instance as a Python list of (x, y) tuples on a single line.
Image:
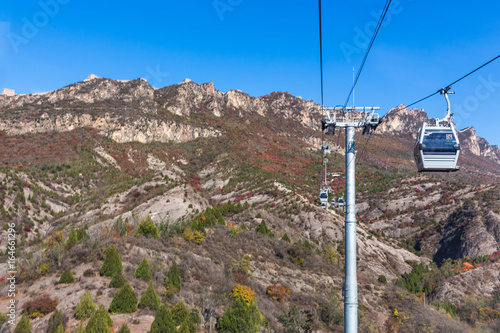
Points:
[(375, 33)]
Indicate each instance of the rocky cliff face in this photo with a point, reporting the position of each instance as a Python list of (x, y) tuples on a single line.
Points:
[(141, 129), (129, 111), (403, 121), (477, 145)]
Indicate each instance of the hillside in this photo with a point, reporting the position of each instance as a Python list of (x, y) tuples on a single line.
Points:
[(101, 158)]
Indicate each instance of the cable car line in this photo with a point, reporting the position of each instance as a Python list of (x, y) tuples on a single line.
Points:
[(463, 77), (379, 24), (449, 86), (321, 52)]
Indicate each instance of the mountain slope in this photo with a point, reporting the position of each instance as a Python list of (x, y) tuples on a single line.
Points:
[(103, 155)]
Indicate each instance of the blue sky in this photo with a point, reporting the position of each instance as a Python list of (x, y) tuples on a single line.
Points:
[(264, 46)]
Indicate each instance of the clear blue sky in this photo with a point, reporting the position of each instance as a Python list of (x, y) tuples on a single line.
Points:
[(264, 46)]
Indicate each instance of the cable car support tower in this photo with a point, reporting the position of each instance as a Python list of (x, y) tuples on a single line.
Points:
[(350, 118)]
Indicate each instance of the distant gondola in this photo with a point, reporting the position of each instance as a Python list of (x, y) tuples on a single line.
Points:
[(323, 196), (437, 147)]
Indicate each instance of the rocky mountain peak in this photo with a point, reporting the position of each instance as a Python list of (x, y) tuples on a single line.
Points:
[(477, 145), (402, 120)]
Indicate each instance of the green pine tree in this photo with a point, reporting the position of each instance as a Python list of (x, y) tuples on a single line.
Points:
[(150, 299), (179, 313), (86, 307), (118, 280), (124, 329), (241, 318), (112, 262), (194, 316), (263, 229), (185, 327), (163, 321), (56, 320), (124, 301), (60, 329), (173, 279), (286, 238), (147, 228), (99, 322), (72, 238), (221, 221), (143, 270), (24, 325), (67, 277)]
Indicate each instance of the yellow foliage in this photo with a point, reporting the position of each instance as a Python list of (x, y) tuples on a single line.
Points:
[(193, 236), (243, 292), (43, 269), (56, 238), (35, 314), (233, 231)]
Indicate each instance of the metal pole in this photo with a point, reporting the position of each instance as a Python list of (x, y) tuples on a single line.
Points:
[(325, 172), (351, 283)]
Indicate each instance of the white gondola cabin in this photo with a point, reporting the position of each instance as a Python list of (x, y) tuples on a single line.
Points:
[(437, 147), (323, 196)]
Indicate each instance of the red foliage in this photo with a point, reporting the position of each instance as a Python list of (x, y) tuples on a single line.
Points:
[(278, 292), (42, 303)]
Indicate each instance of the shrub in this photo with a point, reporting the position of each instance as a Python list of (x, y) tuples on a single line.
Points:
[(179, 313), (382, 279), (193, 236), (67, 277), (40, 305), (233, 231), (242, 265), (56, 322), (241, 318), (278, 292), (330, 254), (24, 325), (173, 279), (163, 321), (99, 322), (194, 316), (124, 329), (294, 320), (124, 301), (286, 238), (88, 273), (118, 280), (3, 318), (147, 228), (112, 262), (333, 313), (143, 271), (86, 307), (150, 299)]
